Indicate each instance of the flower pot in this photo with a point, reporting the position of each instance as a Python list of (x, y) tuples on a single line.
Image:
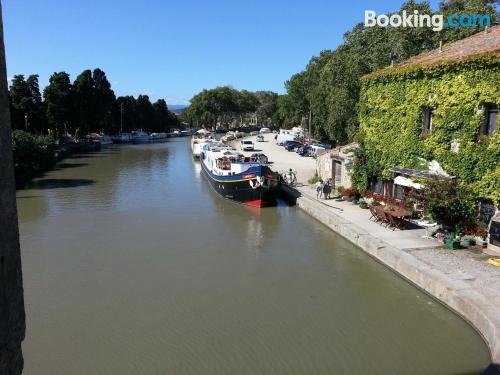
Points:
[(452, 244), (465, 243)]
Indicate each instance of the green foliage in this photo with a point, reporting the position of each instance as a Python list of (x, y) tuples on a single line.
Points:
[(228, 106), (59, 102), (87, 106), (391, 133), (329, 86), (26, 104), (450, 203), (489, 186), (313, 179), (33, 155)]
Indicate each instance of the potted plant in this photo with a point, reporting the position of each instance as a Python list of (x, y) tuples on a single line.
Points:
[(363, 204)]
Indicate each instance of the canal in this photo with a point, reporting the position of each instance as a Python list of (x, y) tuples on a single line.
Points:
[(132, 265)]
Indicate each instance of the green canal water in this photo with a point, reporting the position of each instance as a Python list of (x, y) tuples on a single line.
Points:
[(133, 265)]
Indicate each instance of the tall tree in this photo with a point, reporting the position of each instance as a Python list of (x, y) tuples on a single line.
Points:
[(58, 98), (145, 112), (126, 113), (26, 104), (104, 102), (84, 102), (37, 119), (164, 119), (20, 99)]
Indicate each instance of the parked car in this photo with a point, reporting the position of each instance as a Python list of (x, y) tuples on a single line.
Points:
[(323, 145), (315, 149), (261, 157), (260, 138), (303, 150), (265, 130), (292, 145), (247, 145)]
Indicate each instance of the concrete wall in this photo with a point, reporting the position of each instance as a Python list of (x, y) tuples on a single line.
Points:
[(12, 317)]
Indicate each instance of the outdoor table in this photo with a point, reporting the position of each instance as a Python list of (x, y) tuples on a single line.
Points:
[(427, 226), (399, 213)]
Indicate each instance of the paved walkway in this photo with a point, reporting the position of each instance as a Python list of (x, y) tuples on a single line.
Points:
[(402, 239)]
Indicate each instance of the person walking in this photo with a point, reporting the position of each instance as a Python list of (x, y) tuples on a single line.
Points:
[(319, 188), (327, 189)]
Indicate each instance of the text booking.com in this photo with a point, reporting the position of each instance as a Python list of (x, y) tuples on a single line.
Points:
[(436, 21)]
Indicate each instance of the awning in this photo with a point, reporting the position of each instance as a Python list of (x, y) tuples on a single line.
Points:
[(403, 181)]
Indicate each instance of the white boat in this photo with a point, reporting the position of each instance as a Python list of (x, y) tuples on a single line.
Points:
[(122, 138), (199, 140), (158, 137), (140, 136), (106, 140)]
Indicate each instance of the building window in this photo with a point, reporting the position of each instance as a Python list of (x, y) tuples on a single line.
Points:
[(427, 120), (491, 120)]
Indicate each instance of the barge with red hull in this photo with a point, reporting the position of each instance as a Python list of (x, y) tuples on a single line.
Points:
[(239, 178)]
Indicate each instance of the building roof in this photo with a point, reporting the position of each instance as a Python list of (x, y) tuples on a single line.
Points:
[(481, 42)]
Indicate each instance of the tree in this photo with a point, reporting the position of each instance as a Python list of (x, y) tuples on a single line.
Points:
[(26, 104), (461, 7), (221, 104), (104, 102), (20, 99), (126, 113), (164, 119), (58, 98), (84, 102), (36, 116), (145, 112), (268, 104)]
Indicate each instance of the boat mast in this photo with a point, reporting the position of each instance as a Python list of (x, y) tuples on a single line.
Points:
[(121, 118)]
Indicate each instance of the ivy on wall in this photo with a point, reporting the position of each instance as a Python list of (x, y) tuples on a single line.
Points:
[(391, 134)]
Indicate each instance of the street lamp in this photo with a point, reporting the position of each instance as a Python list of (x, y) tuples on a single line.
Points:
[(26, 121)]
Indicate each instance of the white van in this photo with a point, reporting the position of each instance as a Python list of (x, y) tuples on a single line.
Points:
[(286, 135), (246, 145), (265, 131)]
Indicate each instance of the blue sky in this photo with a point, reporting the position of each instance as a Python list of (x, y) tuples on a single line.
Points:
[(174, 49)]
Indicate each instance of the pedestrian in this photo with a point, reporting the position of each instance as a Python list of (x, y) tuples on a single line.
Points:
[(319, 188), (327, 189)]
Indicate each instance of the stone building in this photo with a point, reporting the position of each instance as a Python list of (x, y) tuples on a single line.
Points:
[(337, 164)]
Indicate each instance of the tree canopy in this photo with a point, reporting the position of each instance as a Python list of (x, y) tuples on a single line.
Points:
[(87, 105), (329, 86)]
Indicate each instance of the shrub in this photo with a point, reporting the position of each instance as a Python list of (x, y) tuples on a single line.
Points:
[(314, 178), (33, 155), (452, 204)]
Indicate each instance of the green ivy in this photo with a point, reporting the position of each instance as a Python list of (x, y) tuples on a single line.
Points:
[(391, 135)]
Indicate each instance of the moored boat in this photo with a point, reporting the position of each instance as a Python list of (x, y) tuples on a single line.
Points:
[(199, 140), (140, 136), (122, 138), (237, 177)]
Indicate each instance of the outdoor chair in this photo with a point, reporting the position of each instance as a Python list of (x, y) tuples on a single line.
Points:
[(374, 215), (382, 216), (395, 222)]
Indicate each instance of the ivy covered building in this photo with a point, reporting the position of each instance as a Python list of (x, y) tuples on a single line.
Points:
[(437, 108)]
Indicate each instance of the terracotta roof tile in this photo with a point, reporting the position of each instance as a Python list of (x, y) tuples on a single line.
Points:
[(482, 42)]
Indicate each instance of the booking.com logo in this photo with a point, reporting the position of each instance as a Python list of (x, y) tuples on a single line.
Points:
[(436, 21)]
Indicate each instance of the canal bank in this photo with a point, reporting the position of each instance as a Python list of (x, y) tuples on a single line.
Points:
[(461, 280)]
